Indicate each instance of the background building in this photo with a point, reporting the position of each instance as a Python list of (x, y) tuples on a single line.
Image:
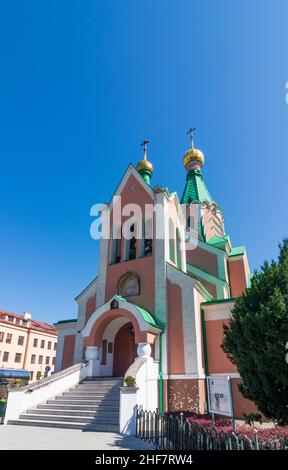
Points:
[(27, 344)]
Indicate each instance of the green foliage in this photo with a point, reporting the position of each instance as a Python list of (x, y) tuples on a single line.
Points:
[(130, 381), (252, 417), (256, 337)]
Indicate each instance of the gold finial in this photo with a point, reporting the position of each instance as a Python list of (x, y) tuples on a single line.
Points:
[(145, 164), (193, 158)]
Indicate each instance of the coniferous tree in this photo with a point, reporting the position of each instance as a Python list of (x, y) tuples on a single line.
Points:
[(256, 337)]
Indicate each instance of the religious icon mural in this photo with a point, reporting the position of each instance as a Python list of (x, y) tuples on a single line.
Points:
[(129, 285)]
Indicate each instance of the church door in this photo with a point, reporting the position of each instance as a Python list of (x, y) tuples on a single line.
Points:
[(124, 350)]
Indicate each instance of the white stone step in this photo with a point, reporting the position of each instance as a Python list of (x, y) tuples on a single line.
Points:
[(102, 379), (69, 412), (90, 398), (98, 407), (99, 385), (83, 403), (92, 405), (99, 427), (95, 393), (69, 418)]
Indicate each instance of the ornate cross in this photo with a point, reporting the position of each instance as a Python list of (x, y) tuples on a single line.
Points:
[(191, 133), (144, 144)]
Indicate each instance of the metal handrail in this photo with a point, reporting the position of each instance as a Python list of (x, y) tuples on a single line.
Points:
[(51, 379)]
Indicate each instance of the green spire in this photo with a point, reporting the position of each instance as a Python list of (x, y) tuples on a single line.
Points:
[(195, 188)]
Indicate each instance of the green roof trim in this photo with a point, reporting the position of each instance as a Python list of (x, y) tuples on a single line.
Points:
[(90, 284), (61, 322), (147, 316), (195, 188), (238, 251), (221, 301), (218, 241)]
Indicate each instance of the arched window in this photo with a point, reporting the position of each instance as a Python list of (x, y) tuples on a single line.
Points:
[(171, 241), (178, 245)]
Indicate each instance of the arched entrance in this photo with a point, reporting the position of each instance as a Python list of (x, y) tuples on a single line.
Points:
[(125, 350)]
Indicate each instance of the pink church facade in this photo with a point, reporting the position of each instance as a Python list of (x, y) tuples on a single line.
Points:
[(165, 296)]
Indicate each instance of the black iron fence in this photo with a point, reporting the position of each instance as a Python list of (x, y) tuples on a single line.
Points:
[(168, 432)]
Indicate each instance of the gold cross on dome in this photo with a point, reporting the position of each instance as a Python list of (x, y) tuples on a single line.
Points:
[(191, 134), (144, 145)]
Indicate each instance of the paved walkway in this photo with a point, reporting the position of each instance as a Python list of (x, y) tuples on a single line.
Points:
[(40, 438)]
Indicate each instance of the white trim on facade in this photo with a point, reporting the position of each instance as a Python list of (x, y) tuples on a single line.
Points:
[(233, 375), (184, 376), (189, 317), (125, 306), (218, 311)]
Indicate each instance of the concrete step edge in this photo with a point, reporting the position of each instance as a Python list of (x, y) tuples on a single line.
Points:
[(62, 424), (69, 418)]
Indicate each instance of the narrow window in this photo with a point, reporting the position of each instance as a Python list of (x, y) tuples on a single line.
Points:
[(171, 241), (116, 244), (178, 244), (9, 338), (132, 245), (5, 356), (104, 352), (148, 237), (18, 357)]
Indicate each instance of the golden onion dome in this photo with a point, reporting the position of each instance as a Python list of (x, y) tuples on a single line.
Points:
[(145, 165), (193, 155)]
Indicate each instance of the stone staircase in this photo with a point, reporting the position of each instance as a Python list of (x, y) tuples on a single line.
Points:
[(93, 405)]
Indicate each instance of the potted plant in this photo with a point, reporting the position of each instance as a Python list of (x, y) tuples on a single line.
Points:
[(130, 381)]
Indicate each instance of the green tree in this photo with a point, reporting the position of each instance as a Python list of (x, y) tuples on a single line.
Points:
[(255, 338)]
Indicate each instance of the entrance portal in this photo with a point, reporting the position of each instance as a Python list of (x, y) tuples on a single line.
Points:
[(125, 350)]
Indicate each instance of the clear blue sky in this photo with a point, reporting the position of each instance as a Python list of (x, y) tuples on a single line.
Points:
[(83, 82)]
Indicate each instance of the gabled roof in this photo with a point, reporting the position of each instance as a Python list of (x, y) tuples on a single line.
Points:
[(195, 188), (132, 170)]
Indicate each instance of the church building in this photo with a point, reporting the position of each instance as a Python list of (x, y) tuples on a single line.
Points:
[(162, 294)]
